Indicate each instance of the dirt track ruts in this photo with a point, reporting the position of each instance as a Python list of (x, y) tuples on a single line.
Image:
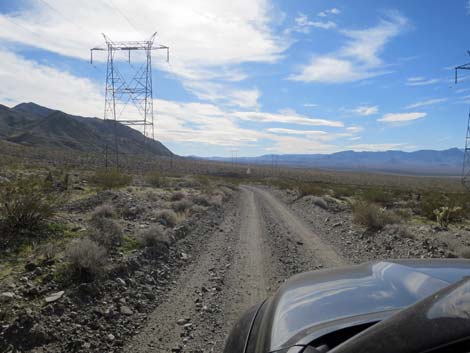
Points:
[(259, 245)]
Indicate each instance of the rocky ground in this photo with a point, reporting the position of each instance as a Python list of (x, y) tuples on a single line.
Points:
[(416, 238), (223, 258)]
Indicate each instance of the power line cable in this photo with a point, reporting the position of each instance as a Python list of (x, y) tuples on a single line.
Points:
[(111, 4), (61, 14)]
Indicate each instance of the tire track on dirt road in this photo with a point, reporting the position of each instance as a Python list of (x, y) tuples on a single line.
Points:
[(319, 250), (240, 263)]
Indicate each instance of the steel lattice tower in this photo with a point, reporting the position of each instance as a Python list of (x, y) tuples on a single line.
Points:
[(466, 158), (138, 91)]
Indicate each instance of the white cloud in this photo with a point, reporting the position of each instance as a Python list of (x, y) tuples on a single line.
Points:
[(333, 11), (292, 144), (359, 58), (187, 124), (310, 105), (25, 80), (401, 117), (208, 41), (286, 118), (355, 129), (317, 133), (421, 81), (303, 24), (224, 93), (366, 110), (376, 147), (426, 103)]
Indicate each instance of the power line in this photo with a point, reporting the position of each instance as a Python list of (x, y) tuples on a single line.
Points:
[(9, 19), (61, 14), (124, 16)]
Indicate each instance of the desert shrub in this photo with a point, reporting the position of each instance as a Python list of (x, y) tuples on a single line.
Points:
[(372, 216), (202, 200), (178, 195), (445, 214), (181, 206), (465, 253), (26, 204), (85, 258), (342, 191), (155, 179), (155, 242), (111, 178), (378, 195), (103, 211), (167, 217), (305, 189), (428, 202), (106, 232)]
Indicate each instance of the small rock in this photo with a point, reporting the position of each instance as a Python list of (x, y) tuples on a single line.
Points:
[(121, 281), (110, 337), (182, 322), (6, 297), (125, 310), (54, 296)]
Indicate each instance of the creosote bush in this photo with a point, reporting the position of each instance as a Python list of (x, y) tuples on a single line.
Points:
[(111, 179), (85, 258), (155, 242), (372, 216), (26, 204), (155, 179)]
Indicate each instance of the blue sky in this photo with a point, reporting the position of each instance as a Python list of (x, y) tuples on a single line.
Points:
[(256, 76)]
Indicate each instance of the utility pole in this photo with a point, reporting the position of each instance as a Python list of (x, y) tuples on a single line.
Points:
[(466, 158), (120, 91)]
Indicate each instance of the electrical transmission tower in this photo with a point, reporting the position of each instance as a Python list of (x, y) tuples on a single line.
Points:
[(466, 158), (133, 89)]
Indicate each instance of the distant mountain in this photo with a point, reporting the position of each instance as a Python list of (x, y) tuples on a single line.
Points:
[(427, 162), (29, 124)]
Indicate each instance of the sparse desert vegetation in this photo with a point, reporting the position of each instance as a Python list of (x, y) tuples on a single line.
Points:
[(91, 235)]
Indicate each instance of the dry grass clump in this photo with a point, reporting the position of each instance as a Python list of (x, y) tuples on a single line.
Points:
[(85, 258), (197, 209), (372, 216), (155, 242), (202, 200), (103, 211), (181, 206), (106, 232), (111, 179), (167, 217), (177, 196)]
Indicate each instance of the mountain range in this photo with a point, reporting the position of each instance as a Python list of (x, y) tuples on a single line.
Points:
[(423, 162), (29, 124)]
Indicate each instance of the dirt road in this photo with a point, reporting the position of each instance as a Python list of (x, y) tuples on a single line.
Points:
[(258, 246)]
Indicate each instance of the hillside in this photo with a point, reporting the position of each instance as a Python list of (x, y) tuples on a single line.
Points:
[(430, 162), (29, 124)]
